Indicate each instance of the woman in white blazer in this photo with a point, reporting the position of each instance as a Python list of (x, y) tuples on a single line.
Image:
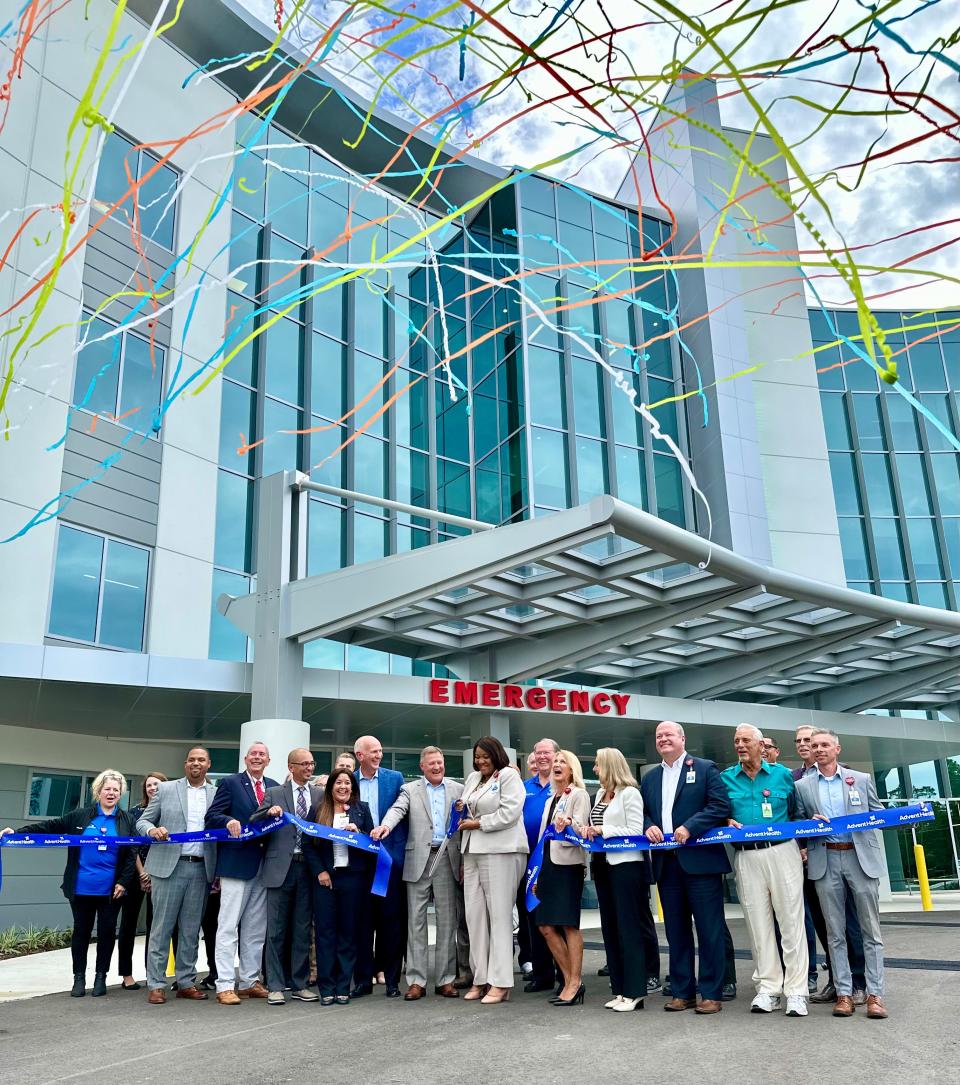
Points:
[(494, 846), (559, 884), (620, 879)]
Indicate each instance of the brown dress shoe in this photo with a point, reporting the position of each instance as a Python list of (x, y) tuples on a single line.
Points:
[(414, 992), (447, 990), (228, 998), (876, 1008), (461, 983), (678, 1005), (255, 990), (157, 996), (709, 1005), (843, 1007), (192, 992)]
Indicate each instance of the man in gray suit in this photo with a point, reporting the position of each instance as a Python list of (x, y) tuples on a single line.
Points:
[(845, 863), (286, 875), (431, 869), (180, 875)]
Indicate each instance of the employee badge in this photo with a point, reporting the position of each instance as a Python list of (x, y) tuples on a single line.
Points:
[(692, 776), (854, 797), (766, 810)]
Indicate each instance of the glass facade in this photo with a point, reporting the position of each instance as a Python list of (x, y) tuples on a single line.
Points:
[(896, 478), (467, 380)]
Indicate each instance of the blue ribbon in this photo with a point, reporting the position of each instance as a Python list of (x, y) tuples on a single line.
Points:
[(212, 836), (780, 831)]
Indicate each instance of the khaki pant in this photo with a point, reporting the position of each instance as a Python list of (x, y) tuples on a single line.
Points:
[(770, 885), (489, 891)]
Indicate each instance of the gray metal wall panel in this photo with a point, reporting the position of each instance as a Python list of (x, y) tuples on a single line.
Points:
[(105, 275), (119, 230), (105, 497), (112, 523), (140, 458), (55, 912), (115, 479)]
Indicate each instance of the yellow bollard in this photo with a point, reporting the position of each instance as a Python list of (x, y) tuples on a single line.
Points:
[(171, 962), (656, 893), (921, 860)]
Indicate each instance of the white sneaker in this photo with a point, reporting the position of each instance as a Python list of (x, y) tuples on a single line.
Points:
[(613, 1002), (527, 968), (766, 1004), (796, 1006)]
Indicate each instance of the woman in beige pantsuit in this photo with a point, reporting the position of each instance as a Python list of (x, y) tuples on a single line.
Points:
[(494, 846)]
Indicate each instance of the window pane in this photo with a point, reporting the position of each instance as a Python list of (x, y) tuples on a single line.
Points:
[(938, 407), (866, 410), (52, 796), (631, 477), (627, 422), (370, 320), (240, 325), (591, 469), (369, 393), (142, 384), (947, 481), (226, 641), (587, 402), (370, 467), (854, 546), (410, 410), (118, 156), (861, 376), (281, 444), (923, 549), (876, 474), (327, 375), (328, 311), (325, 654), (157, 212), (324, 442), (124, 596), (550, 468), (369, 538), (98, 370), (237, 423), (232, 548), (324, 538), (844, 479), (951, 531), (453, 425), (76, 585), (281, 278), (927, 366), (244, 255), (287, 206), (903, 424), (546, 387), (283, 360), (913, 485), (669, 489), (412, 477), (249, 185), (932, 595), (886, 540), (829, 373), (453, 488), (666, 413)]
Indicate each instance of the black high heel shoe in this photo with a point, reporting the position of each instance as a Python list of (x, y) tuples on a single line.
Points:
[(577, 999)]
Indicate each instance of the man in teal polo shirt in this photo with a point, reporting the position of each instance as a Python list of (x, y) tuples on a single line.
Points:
[(769, 875)]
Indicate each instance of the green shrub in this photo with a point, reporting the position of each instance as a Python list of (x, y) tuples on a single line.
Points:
[(19, 941)]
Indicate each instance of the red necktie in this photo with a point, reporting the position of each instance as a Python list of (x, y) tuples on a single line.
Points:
[(258, 788)]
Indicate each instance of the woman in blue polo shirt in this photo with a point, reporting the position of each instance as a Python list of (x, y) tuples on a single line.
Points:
[(96, 877)]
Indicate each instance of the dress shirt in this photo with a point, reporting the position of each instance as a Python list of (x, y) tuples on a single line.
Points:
[(196, 813), (341, 854), (747, 798), (533, 806), (830, 789), (437, 794), (370, 794), (668, 790)]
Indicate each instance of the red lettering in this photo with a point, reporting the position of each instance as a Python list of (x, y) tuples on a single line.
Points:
[(620, 702), (579, 701), (601, 703), (557, 699), (439, 691), (536, 697), (512, 697), (464, 692), (490, 695)]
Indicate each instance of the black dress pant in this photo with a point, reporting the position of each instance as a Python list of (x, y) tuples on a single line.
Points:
[(290, 913), (382, 932), (130, 906), (86, 909), (337, 915), (622, 896), (651, 940), (532, 945), (688, 900)]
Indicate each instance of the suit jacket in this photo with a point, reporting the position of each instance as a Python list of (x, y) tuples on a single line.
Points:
[(699, 806), (280, 843), (235, 798), (72, 824), (577, 806), (169, 809), (413, 808), (390, 782), (499, 806), (320, 852), (623, 817), (868, 844)]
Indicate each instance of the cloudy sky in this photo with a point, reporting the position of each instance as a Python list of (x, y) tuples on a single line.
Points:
[(836, 86)]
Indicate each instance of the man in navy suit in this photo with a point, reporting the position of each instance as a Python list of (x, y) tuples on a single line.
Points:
[(685, 796), (243, 896), (387, 917)]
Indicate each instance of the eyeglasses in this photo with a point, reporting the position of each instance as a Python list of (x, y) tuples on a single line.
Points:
[(302, 764)]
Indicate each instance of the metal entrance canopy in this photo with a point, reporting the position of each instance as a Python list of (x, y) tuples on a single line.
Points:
[(599, 595)]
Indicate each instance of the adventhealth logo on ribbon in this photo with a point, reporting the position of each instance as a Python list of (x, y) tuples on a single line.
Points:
[(205, 836), (787, 830)]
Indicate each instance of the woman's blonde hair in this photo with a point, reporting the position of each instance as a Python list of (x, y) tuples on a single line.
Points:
[(108, 774), (613, 770), (576, 769)]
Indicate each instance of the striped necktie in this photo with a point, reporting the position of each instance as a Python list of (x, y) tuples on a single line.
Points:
[(301, 813)]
